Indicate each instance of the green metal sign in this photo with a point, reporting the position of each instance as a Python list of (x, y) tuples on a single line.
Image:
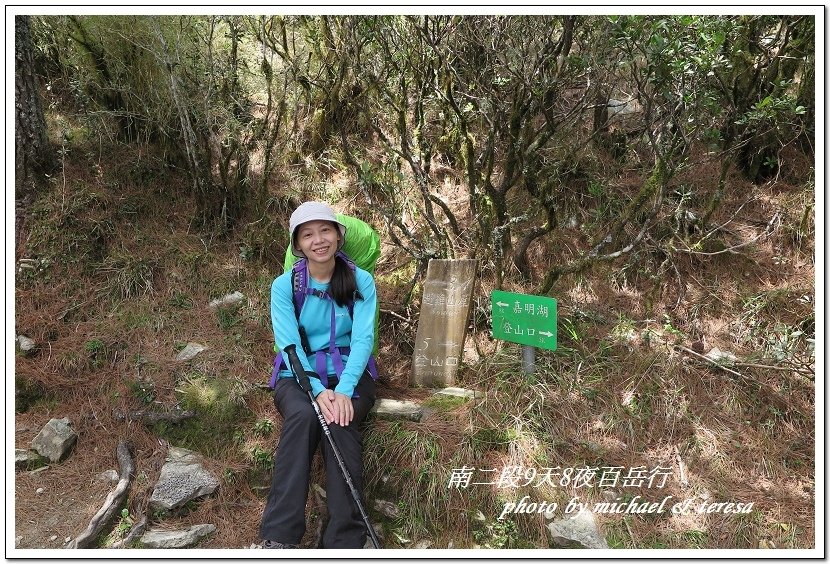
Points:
[(523, 319)]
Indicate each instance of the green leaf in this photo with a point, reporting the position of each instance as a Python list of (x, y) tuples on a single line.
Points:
[(764, 103)]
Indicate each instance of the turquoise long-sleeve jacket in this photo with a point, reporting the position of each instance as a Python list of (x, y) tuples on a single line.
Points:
[(356, 332)]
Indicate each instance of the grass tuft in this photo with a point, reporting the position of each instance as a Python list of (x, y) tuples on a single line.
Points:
[(220, 408)]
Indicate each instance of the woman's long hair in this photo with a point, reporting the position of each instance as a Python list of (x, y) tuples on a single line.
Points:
[(343, 287)]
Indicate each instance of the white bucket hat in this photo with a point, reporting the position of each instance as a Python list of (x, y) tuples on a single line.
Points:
[(313, 211)]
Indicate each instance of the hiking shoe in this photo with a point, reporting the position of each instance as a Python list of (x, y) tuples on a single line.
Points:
[(276, 544)]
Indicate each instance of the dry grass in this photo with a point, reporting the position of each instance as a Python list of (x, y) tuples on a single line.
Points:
[(110, 321)]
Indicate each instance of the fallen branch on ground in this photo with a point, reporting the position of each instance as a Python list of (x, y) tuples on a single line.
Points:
[(776, 219), (393, 314), (709, 360), (684, 481), (810, 375), (114, 500), (151, 417)]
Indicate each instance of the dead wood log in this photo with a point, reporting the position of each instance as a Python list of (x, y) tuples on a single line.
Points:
[(151, 417), (114, 500)]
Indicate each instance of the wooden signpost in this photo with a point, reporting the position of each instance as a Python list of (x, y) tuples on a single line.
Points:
[(442, 326), (524, 319)]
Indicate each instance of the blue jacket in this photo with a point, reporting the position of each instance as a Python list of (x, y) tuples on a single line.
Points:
[(315, 317)]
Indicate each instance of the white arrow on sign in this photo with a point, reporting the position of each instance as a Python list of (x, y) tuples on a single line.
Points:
[(502, 304), (546, 333)]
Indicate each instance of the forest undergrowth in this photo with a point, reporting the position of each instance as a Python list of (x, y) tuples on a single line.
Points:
[(112, 281)]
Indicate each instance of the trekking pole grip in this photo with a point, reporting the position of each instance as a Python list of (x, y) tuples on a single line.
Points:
[(297, 368)]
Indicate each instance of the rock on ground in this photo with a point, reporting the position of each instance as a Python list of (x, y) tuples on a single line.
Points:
[(394, 409), (458, 393), (190, 351), (578, 531), (55, 439), (387, 508), (26, 344), (182, 478), (230, 299), (25, 459), (157, 538)]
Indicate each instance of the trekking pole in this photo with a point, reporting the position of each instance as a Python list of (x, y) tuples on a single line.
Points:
[(302, 379)]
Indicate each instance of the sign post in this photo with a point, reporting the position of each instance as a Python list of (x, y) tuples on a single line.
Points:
[(526, 320), (442, 326)]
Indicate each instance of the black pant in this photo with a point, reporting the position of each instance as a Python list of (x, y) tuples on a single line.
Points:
[(284, 517)]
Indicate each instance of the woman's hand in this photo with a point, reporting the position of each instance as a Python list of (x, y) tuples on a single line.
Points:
[(336, 407)]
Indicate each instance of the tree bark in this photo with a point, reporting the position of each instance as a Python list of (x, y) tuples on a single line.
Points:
[(114, 500), (33, 155)]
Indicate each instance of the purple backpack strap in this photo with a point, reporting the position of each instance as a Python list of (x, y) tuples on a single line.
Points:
[(299, 283), (275, 373), (320, 367), (372, 367)]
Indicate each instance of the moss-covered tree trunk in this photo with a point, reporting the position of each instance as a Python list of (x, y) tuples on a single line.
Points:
[(33, 155)]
